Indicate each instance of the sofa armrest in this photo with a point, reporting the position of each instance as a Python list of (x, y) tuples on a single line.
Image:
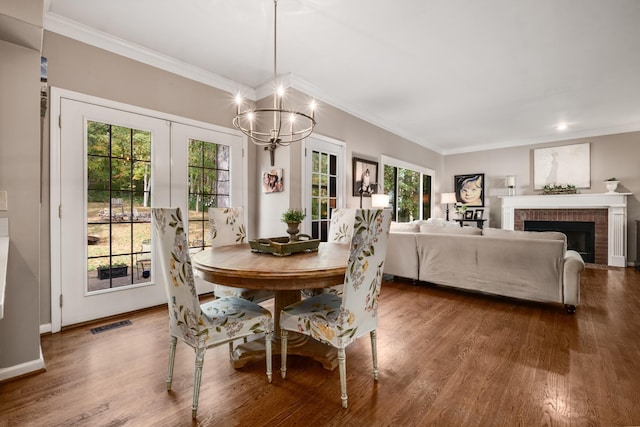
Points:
[(573, 266), (402, 255)]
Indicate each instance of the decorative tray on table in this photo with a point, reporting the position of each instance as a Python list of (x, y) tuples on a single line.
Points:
[(281, 246)]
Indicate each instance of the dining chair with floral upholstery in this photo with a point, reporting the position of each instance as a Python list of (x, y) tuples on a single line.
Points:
[(226, 227), (200, 326), (340, 231), (341, 225), (338, 320)]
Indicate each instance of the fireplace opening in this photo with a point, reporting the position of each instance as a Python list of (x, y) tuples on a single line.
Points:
[(581, 236)]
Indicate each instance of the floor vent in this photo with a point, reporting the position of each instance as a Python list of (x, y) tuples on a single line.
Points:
[(110, 326)]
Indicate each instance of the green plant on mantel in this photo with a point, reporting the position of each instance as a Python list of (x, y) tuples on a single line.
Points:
[(610, 179), (293, 215), (559, 189)]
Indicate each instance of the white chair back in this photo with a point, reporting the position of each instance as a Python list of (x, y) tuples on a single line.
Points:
[(341, 226), (226, 226)]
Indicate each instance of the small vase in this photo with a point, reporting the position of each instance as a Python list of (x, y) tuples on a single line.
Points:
[(293, 230), (611, 186)]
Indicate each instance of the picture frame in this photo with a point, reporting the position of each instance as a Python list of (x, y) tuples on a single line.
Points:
[(469, 189), (272, 181), (562, 165), (478, 214), (365, 177), (468, 214)]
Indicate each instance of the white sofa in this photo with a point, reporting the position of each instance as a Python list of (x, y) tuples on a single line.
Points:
[(532, 266)]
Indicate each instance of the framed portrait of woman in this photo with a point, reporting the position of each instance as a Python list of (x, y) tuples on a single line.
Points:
[(470, 189)]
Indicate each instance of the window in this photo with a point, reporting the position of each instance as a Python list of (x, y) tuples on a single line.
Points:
[(409, 189)]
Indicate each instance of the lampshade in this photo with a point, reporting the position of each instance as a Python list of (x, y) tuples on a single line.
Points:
[(379, 200), (446, 198)]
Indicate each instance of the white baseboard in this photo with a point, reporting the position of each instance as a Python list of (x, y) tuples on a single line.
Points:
[(22, 368), (46, 328)]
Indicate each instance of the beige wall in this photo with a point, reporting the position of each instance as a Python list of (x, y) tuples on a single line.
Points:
[(20, 177), (362, 139), (611, 156)]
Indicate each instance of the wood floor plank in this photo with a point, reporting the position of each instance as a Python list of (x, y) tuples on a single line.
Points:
[(446, 357)]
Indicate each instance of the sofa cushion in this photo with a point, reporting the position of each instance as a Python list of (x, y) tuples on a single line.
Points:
[(404, 226), (514, 234), (440, 222), (469, 231)]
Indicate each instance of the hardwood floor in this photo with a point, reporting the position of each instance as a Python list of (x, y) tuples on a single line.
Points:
[(446, 358)]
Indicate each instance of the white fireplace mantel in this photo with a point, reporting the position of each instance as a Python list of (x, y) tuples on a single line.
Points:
[(616, 203)]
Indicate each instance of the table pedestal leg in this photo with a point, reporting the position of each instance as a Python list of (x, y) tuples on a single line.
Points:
[(297, 344)]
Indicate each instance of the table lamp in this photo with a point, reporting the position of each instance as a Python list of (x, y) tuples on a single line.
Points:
[(380, 201), (447, 199)]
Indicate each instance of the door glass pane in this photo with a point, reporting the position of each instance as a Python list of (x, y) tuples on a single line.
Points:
[(323, 192), (118, 204), (209, 186)]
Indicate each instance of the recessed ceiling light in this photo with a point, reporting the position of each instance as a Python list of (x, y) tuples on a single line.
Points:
[(562, 126)]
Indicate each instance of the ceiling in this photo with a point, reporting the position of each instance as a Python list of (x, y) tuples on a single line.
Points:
[(454, 76)]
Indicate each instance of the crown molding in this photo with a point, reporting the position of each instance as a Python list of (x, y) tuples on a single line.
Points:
[(74, 30)]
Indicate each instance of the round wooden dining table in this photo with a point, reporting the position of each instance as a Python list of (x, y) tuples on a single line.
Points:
[(286, 276)]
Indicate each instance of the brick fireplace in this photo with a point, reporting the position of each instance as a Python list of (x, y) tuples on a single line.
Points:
[(608, 211), (600, 218)]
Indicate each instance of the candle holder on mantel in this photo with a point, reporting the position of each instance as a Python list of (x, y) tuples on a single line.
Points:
[(511, 185)]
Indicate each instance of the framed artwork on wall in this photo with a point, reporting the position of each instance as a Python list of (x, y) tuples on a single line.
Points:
[(272, 181), (365, 177), (470, 189), (562, 165)]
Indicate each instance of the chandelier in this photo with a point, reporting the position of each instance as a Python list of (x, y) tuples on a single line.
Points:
[(287, 126)]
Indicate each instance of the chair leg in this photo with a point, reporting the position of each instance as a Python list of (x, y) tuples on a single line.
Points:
[(374, 353), (267, 342), (283, 353), (172, 355), (342, 364), (197, 377)]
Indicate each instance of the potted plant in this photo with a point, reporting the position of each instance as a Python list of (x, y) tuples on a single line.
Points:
[(293, 217), (612, 184), (460, 209), (118, 269)]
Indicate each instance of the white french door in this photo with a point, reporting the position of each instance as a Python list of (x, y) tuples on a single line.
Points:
[(205, 171), (110, 163), (325, 183), (104, 215)]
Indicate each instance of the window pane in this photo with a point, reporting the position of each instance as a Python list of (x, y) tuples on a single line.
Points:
[(98, 136), (142, 145), (98, 177)]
